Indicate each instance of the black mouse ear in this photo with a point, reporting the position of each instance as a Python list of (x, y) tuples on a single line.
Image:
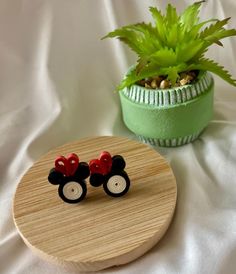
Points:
[(118, 163), (82, 171), (96, 179), (55, 177)]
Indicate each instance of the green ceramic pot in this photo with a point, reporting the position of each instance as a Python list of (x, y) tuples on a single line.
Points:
[(169, 117)]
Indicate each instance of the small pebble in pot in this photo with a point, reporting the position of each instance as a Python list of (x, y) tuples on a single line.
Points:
[(183, 82), (154, 84), (164, 84), (158, 80), (147, 85)]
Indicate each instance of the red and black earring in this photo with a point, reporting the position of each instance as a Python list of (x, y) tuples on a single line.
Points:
[(109, 172), (70, 175)]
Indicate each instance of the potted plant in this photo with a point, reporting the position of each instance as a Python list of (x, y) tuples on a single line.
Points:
[(167, 96)]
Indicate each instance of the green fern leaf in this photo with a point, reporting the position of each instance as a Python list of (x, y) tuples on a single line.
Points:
[(196, 28), (139, 37), (142, 62), (200, 54), (127, 36), (223, 33), (172, 36), (188, 50), (190, 16), (160, 23), (171, 15), (213, 28), (149, 34), (132, 76), (164, 57), (210, 65)]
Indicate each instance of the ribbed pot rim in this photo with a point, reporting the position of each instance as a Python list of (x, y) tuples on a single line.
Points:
[(172, 96)]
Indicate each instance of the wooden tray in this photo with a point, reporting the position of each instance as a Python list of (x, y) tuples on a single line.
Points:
[(101, 231)]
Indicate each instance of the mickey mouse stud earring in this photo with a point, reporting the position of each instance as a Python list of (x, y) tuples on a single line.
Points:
[(109, 171), (70, 175)]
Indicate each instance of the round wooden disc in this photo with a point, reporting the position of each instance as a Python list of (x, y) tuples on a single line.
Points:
[(101, 231)]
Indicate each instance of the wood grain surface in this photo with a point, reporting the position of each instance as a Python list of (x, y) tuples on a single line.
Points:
[(101, 231)]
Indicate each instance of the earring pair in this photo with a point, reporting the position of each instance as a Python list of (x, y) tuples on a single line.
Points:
[(70, 174)]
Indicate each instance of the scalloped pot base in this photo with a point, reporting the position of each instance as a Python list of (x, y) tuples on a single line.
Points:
[(174, 142), (169, 117)]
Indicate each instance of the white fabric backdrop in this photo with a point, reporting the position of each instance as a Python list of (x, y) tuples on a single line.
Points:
[(56, 84)]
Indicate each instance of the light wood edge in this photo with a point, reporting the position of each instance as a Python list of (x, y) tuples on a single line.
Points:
[(99, 265)]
